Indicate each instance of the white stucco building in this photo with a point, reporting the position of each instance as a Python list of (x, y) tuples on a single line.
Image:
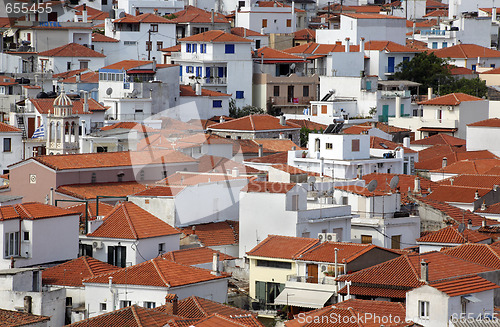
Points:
[(12, 146), (69, 57), (478, 133)]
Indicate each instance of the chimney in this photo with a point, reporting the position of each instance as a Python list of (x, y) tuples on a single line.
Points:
[(235, 172), (212, 17), (445, 162), (261, 150), (215, 264), (51, 196), (416, 187), (476, 195), (338, 42), (429, 93), (347, 44), (154, 64), (294, 148), (110, 282), (12, 262), (483, 223), (398, 106), (424, 271), (406, 142), (469, 224), (282, 120), (373, 124), (293, 16), (77, 77), (221, 119), (171, 304), (194, 230), (362, 45), (27, 304), (198, 88), (85, 101), (494, 14), (84, 14), (137, 12)]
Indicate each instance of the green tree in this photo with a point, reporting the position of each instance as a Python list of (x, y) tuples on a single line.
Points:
[(304, 135), (237, 112), (425, 68), (475, 87)]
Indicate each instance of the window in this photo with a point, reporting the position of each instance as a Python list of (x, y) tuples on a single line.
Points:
[(198, 71), (240, 94), (324, 109), (264, 23), (129, 42), (355, 145), (445, 44), (203, 48), (423, 309), (473, 67), (406, 59), (295, 202), (194, 48), (7, 144), (36, 281), (492, 65), (276, 91), (149, 305), (26, 236), (125, 303), (149, 45), (395, 241), (366, 239), (217, 103), (274, 264), (84, 64), (85, 249), (328, 146), (288, 23), (189, 69), (305, 90), (267, 291), (434, 45), (161, 248), (154, 28), (188, 47), (159, 45), (229, 48), (180, 71), (102, 306), (68, 65), (117, 256), (257, 44), (11, 244)]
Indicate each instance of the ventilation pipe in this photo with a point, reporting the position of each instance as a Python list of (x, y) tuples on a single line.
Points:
[(215, 264), (347, 44), (424, 271)]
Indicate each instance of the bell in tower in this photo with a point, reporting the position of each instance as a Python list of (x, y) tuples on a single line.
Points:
[(62, 127)]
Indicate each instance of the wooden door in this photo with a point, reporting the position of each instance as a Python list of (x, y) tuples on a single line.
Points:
[(312, 273)]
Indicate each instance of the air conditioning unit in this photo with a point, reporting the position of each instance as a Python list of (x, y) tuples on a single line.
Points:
[(324, 268), (97, 245), (322, 237), (331, 237), (450, 108)]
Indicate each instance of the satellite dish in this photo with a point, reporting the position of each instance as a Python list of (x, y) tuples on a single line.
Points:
[(311, 180), (461, 228), (372, 186), (292, 66), (109, 91), (122, 14), (394, 182)]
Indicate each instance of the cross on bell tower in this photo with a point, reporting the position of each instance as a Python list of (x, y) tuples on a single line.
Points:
[(62, 127)]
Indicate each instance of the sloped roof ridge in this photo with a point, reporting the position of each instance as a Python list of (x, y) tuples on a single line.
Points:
[(159, 272), (411, 266), (136, 316), (129, 221), (85, 258), (199, 306), (20, 206)]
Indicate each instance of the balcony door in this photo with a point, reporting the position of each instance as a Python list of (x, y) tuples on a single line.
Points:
[(312, 273)]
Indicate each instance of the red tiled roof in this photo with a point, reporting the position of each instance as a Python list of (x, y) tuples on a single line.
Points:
[(493, 208), (305, 34), (185, 178), (483, 254), (89, 191), (69, 73), (143, 18), (273, 54), (244, 32), (281, 157), (405, 182), (474, 166), (129, 221), (388, 46), (32, 211), (457, 194), (72, 273), (71, 50), (187, 91), (289, 169), (272, 3), (92, 13), (104, 209), (432, 158), (375, 291), (378, 143), (472, 180), (268, 187), (435, 4), (308, 124), (195, 256), (6, 128), (372, 16), (110, 159), (160, 191), (461, 71), (360, 190), (452, 99), (215, 233), (157, 272), (133, 316), (10, 318), (45, 106), (376, 308), (216, 320), (465, 51), (192, 14), (90, 77), (465, 285), (98, 37), (254, 123), (283, 247), (451, 235), (347, 252), (440, 139), (437, 13), (386, 127), (213, 164), (175, 48), (128, 64), (130, 125), (215, 36), (492, 122), (314, 48)]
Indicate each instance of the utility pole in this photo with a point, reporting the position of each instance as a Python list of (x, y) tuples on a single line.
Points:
[(328, 18), (149, 44)]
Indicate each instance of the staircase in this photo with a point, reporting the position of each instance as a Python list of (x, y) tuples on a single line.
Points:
[(21, 126)]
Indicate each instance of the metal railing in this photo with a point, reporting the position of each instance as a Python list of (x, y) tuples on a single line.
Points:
[(311, 279)]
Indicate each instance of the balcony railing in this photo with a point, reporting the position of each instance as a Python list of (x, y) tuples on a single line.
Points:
[(326, 280), (395, 93), (281, 101), (317, 71)]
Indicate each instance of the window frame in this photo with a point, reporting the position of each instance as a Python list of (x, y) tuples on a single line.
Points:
[(153, 27), (218, 102), (7, 144), (240, 95), (229, 48)]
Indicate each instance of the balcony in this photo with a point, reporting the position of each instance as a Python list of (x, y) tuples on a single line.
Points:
[(204, 80), (317, 71), (326, 280), (291, 101), (395, 93)]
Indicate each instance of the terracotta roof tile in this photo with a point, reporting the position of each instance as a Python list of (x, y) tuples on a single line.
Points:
[(185, 178), (432, 158), (6, 128), (45, 106), (452, 99), (437, 13), (471, 180), (143, 18), (465, 51), (375, 291), (72, 273), (104, 209), (192, 14), (254, 123), (10, 318), (483, 254), (157, 272), (378, 143), (454, 70), (313, 48), (92, 13), (308, 124), (372, 16), (305, 34), (347, 252), (187, 91), (213, 164), (69, 73), (493, 208), (71, 50), (283, 247), (129, 221), (216, 320), (272, 3), (405, 182), (456, 194), (160, 191), (215, 233), (90, 77), (465, 285), (277, 158), (128, 64), (268, 187), (388, 46), (435, 4), (273, 54), (492, 122), (244, 32), (451, 235), (92, 190), (98, 37), (469, 166), (133, 316), (386, 127), (175, 48), (32, 211), (130, 125), (195, 256), (440, 139), (215, 36), (289, 169)]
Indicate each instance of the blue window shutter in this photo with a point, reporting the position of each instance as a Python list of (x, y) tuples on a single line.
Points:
[(188, 47), (194, 46), (220, 71), (229, 48), (402, 110), (217, 103), (198, 71), (390, 64), (240, 94), (180, 74)]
